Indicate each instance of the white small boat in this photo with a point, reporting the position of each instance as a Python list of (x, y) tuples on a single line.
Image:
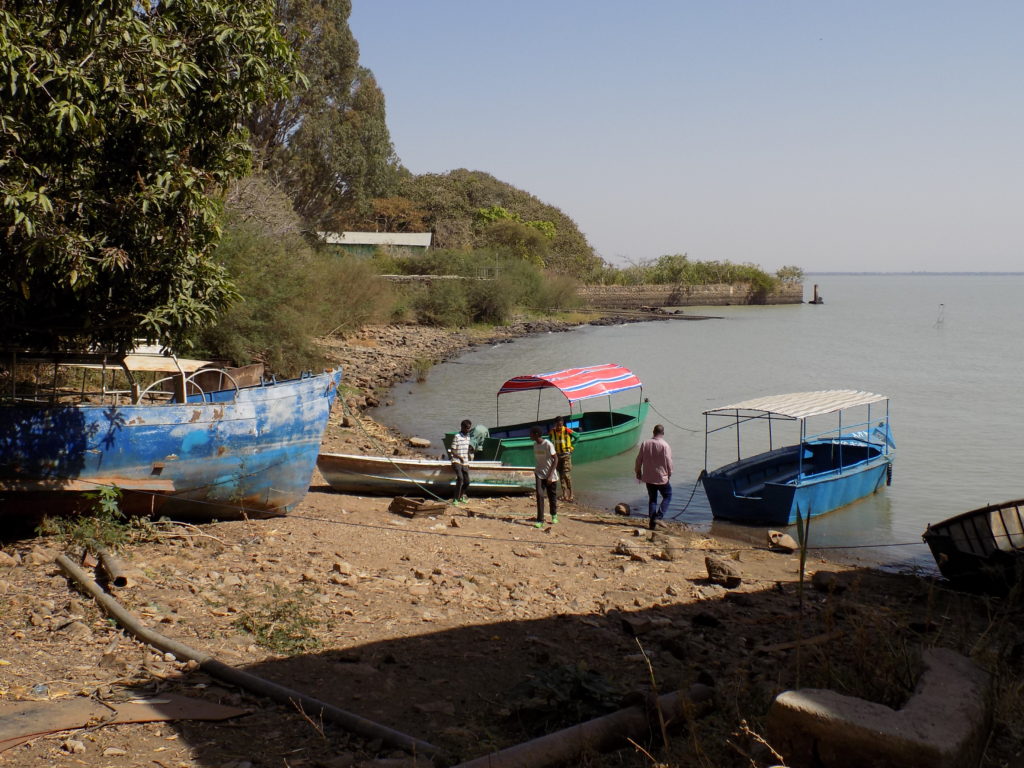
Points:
[(394, 475)]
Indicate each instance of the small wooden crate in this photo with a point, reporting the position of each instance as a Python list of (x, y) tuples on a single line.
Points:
[(411, 507)]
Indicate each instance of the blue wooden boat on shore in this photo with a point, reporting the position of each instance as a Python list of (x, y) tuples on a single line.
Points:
[(172, 447), (818, 473)]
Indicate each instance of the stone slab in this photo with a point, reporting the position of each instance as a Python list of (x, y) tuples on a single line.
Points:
[(943, 725)]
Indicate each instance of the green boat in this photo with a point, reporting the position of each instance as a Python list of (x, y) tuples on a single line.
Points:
[(598, 433)]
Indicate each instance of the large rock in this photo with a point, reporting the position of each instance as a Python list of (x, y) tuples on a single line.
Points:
[(782, 542), (943, 725), (724, 572), (829, 582)]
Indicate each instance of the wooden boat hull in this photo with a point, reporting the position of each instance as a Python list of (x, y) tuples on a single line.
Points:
[(378, 475), (766, 489), (981, 549), (247, 451), (599, 435)]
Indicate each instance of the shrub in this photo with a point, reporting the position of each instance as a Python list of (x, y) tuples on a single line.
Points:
[(280, 620), (677, 269), (489, 302), (521, 282), (497, 282), (443, 303), (558, 292), (290, 295), (104, 527), (346, 293), (790, 274)]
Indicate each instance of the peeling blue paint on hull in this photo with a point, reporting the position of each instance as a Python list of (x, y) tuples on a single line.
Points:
[(245, 452)]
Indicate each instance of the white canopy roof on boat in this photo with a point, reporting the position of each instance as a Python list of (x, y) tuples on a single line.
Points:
[(801, 405)]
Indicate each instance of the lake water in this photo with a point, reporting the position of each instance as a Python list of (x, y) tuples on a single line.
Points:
[(945, 348)]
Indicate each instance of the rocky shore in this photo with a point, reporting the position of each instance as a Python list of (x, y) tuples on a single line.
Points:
[(376, 358)]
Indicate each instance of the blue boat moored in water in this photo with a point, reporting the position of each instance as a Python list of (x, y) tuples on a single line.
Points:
[(817, 473), (173, 447)]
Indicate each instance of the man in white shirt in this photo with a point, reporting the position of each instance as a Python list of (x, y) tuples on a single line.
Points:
[(460, 452), (545, 468)]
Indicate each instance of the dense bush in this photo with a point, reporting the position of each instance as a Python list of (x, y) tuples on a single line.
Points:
[(494, 285), (490, 302), (443, 302), (290, 294), (267, 324), (535, 289), (677, 269)]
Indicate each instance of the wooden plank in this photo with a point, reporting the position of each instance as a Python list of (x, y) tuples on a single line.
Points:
[(412, 507)]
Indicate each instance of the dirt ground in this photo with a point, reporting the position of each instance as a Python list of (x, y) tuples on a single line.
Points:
[(469, 629)]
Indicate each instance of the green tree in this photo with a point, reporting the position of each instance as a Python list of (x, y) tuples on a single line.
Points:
[(519, 239), (458, 203), (290, 294), (327, 143), (790, 274), (396, 214), (671, 268), (119, 125)]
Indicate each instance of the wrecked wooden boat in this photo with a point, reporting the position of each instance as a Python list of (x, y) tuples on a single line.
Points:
[(175, 437), (597, 434), (817, 473), (397, 476), (982, 549)]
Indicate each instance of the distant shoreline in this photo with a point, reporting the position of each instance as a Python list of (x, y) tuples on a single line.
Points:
[(912, 274)]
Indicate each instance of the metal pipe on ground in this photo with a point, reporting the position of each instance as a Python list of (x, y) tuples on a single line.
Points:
[(598, 735), (114, 568), (311, 706)]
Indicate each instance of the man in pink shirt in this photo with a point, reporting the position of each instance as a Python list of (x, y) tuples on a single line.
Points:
[(654, 467)]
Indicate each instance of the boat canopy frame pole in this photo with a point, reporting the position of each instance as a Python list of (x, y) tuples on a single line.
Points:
[(706, 433), (841, 464), (885, 438)]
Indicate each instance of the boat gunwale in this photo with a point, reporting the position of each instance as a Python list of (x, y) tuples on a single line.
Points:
[(801, 480), (934, 528), (397, 461)]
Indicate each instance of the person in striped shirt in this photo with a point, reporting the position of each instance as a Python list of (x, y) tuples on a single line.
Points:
[(460, 451), (562, 438)]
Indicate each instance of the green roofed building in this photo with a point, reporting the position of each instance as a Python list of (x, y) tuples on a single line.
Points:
[(368, 243)]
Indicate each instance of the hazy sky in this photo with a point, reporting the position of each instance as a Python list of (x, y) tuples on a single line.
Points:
[(831, 135)]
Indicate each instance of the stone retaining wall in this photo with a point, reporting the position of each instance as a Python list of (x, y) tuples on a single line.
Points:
[(632, 297), (720, 295)]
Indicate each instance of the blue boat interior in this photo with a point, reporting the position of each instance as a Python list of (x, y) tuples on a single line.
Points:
[(786, 465)]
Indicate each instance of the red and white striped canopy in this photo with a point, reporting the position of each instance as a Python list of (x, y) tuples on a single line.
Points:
[(577, 383)]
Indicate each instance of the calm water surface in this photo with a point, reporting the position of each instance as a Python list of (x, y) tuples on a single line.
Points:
[(945, 348)]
